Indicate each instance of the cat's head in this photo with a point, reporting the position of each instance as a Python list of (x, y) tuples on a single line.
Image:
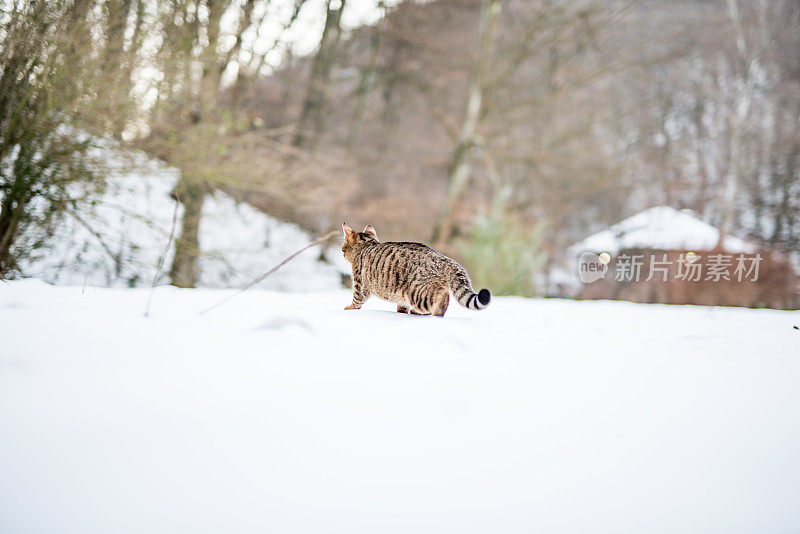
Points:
[(354, 241)]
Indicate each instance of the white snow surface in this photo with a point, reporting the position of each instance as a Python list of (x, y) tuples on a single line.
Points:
[(662, 227), (122, 233), (283, 413), (239, 243)]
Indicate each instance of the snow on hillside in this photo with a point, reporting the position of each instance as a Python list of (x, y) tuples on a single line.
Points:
[(662, 227), (283, 413), (116, 239), (239, 243), (113, 238)]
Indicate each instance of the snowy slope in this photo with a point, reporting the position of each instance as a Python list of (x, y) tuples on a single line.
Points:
[(282, 413), (661, 227), (239, 243), (112, 239), (117, 238)]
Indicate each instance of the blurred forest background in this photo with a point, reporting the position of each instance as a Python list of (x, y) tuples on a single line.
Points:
[(500, 131)]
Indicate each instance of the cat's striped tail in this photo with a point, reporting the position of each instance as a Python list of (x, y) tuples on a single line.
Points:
[(462, 290)]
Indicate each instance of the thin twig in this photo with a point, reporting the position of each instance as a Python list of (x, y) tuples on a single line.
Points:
[(96, 234), (266, 274), (163, 256)]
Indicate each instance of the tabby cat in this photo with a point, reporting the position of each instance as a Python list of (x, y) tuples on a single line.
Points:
[(415, 276)]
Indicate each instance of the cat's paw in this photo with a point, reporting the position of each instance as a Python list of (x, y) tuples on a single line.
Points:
[(352, 307)]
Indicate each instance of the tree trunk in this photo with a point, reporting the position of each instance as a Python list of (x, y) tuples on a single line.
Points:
[(745, 88), (189, 191), (731, 178), (212, 73), (11, 213), (311, 119), (115, 68), (388, 115), (367, 80), (187, 247), (460, 165), (245, 21)]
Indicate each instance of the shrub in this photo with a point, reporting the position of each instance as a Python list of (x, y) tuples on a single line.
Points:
[(503, 253)]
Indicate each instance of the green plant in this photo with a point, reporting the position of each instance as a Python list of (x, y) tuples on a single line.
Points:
[(503, 253)]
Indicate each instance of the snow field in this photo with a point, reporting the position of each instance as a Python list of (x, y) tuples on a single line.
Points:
[(283, 413)]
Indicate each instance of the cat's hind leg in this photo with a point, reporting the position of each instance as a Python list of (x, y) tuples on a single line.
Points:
[(430, 300), (440, 303)]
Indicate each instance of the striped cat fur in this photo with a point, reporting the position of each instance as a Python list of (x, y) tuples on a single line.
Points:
[(413, 275)]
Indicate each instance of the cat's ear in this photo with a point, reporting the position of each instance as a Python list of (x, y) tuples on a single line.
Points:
[(349, 233), (368, 229)]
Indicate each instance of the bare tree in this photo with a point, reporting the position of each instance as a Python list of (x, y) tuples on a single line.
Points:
[(312, 116), (367, 77), (460, 164), (745, 67)]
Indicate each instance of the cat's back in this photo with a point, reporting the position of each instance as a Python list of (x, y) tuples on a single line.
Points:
[(406, 251), (393, 265)]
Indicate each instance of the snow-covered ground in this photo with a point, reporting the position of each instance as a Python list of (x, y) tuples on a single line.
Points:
[(283, 413)]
